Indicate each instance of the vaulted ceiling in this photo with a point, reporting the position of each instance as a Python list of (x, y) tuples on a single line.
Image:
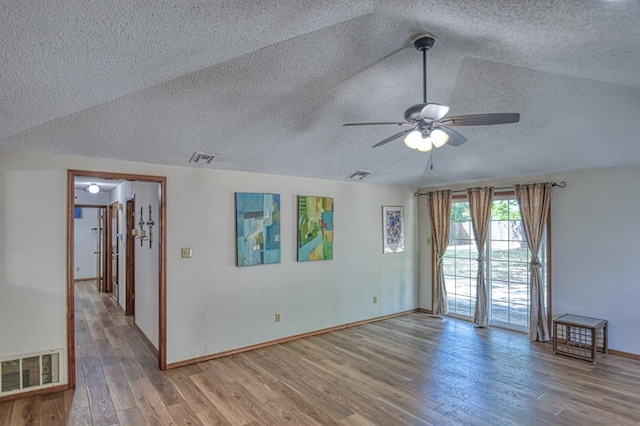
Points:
[(266, 85)]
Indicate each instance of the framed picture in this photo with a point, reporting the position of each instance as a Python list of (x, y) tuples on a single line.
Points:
[(392, 229), (315, 228), (257, 228)]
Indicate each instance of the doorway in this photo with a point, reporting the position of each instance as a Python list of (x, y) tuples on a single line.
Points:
[(89, 243), (116, 235), (114, 245), (130, 290)]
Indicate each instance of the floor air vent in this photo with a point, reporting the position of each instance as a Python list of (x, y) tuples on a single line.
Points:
[(31, 371)]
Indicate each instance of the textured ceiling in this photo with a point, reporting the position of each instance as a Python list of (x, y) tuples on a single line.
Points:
[(267, 85)]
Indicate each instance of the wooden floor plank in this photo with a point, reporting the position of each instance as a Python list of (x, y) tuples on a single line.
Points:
[(5, 413), (193, 396), (222, 396), (145, 394), (80, 416), (356, 420), (458, 416), (411, 369), (100, 402), (182, 414), (119, 388), (26, 411), (131, 416), (53, 411)]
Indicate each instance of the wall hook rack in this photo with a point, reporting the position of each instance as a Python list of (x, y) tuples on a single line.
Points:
[(141, 233)]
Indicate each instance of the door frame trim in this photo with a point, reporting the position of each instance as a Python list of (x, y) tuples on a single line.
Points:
[(110, 233), (162, 281)]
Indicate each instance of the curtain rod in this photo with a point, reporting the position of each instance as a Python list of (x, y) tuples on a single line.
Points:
[(559, 185)]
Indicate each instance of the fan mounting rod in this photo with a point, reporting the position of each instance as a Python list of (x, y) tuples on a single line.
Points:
[(423, 42)]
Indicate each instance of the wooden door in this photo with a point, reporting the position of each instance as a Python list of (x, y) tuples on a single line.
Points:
[(115, 230), (108, 244), (130, 291), (102, 249)]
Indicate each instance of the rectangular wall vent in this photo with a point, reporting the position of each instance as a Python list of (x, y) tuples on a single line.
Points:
[(30, 371), (202, 158), (359, 174)]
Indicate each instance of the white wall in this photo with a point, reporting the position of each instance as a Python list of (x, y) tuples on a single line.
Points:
[(32, 255), (147, 266), (85, 197), (596, 258), (86, 240), (216, 306), (595, 253), (212, 305)]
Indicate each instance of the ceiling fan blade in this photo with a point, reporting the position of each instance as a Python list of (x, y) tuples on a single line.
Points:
[(434, 112), (398, 123), (455, 138), (481, 119), (394, 137)]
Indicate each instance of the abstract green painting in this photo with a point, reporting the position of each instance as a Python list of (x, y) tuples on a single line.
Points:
[(315, 228)]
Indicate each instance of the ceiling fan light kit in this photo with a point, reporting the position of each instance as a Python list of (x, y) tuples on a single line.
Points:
[(423, 140), (426, 121)]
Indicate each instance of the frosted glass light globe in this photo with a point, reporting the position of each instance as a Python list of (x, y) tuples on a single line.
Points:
[(424, 145), (413, 139), (439, 138)]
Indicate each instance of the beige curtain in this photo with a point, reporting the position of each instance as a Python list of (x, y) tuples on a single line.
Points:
[(535, 202), (440, 212), (480, 200)]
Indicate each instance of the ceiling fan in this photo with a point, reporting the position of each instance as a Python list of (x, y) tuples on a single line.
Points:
[(426, 123)]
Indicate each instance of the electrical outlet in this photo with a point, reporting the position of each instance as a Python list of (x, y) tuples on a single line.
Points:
[(277, 317), (375, 300), (186, 252)]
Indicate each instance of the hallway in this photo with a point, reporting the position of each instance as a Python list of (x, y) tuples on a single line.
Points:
[(113, 363), (111, 354)]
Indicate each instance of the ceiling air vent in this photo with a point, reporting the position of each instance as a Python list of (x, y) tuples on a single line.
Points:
[(359, 174), (201, 158)]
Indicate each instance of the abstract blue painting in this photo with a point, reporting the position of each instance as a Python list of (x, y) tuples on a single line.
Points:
[(257, 228)]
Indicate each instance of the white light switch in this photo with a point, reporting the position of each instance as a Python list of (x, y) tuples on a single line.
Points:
[(187, 252)]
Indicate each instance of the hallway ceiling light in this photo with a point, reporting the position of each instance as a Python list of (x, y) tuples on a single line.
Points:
[(93, 188)]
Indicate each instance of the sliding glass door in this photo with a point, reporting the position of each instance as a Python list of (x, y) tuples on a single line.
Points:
[(506, 265)]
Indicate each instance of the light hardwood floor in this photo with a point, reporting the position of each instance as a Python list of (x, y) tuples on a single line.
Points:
[(413, 369)]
